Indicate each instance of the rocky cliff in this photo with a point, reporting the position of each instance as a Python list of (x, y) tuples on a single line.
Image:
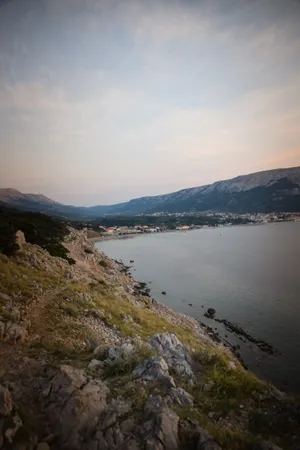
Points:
[(89, 361)]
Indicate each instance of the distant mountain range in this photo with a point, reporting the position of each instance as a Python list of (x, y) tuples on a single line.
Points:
[(269, 191)]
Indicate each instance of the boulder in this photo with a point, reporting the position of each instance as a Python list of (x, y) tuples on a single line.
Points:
[(120, 351), (210, 313), (5, 402), (168, 345), (154, 369)]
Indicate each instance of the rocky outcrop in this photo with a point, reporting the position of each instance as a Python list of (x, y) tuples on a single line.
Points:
[(161, 431), (169, 346), (154, 369), (73, 402)]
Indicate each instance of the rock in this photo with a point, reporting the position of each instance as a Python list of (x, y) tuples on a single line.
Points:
[(180, 397), (114, 430), (210, 313), (160, 432), (266, 445), (5, 402), (121, 351), (154, 404), (154, 369), (95, 364), (168, 345), (20, 238), (112, 413), (73, 404), (15, 333), (205, 441)]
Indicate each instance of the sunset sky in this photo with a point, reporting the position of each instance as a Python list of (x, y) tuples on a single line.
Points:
[(105, 100)]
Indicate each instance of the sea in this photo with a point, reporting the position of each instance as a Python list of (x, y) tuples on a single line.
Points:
[(249, 274)]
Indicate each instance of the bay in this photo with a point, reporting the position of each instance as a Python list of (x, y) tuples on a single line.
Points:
[(249, 274)]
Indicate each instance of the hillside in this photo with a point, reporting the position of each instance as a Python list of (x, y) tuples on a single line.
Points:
[(88, 360), (268, 191)]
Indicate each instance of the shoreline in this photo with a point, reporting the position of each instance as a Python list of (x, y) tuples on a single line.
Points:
[(100, 237)]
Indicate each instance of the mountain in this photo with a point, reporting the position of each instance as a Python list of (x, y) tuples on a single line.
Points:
[(269, 191), (38, 203), (272, 190)]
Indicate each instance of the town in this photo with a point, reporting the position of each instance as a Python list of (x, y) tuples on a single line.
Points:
[(116, 226)]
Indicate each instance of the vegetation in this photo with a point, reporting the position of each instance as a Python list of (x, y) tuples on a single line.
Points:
[(38, 228)]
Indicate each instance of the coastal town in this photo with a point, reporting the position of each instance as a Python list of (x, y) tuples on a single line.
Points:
[(162, 222)]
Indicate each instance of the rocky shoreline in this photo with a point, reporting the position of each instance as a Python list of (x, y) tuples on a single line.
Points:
[(88, 360)]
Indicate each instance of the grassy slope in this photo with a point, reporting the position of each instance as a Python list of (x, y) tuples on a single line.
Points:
[(238, 410)]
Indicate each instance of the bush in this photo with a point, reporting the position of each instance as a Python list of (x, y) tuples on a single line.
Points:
[(38, 229)]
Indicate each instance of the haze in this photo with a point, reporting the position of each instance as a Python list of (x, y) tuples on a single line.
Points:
[(104, 100)]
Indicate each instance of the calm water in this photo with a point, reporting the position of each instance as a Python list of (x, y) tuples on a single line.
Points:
[(249, 274)]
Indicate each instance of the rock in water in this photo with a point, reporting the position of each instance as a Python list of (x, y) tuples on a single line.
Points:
[(210, 313)]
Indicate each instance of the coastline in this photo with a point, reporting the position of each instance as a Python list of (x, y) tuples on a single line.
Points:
[(102, 237), (93, 343)]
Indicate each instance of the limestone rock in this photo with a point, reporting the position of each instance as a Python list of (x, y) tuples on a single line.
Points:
[(121, 351), (168, 345), (154, 403), (196, 438), (160, 432), (20, 238), (73, 404), (179, 396), (154, 369), (114, 429), (205, 441), (5, 402)]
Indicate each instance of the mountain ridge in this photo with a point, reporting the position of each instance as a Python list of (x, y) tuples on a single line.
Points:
[(276, 190)]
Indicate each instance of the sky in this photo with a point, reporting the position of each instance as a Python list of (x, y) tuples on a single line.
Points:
[(102, 101)]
